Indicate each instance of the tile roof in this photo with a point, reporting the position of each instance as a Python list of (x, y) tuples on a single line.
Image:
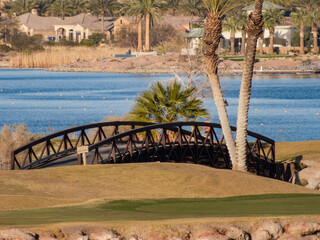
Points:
[(47, 23), (37, 22), (196, 33), (177, 21)]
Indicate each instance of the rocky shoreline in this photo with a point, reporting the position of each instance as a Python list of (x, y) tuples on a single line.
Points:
[(267, 229), (177, 64)]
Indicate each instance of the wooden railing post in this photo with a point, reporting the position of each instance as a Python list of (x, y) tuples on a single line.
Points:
[(12, 160)]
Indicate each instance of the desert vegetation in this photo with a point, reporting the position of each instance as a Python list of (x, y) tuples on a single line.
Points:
[(11, 138), (52, 56)]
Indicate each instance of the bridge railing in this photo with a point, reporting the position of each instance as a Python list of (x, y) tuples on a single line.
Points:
[(65, 142), (197, 142)]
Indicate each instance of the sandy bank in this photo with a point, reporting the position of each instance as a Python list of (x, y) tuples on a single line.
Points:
[(174, 63)]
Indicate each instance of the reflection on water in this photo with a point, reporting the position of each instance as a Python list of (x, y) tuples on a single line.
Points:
[(285, 108)]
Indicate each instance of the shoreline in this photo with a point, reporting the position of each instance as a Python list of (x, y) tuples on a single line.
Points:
[(181, 64), (178, 71), (164, 71)]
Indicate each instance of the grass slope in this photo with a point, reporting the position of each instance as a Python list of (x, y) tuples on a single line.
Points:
[(79, 184), (296, 151), (143, 210)]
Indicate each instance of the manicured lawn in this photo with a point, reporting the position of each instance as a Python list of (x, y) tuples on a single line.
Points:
[(156, 209)]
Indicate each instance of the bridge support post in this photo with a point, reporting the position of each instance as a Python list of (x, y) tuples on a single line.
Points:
[(81, 151)]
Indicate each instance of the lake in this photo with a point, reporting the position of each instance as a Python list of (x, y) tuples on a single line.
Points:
[(284, 108)]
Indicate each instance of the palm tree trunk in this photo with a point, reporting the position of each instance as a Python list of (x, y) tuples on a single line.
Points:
[(243, 42), (271, 38), (148, 32), (315, 38), (232, 37), (254, 30), (140, 32), (191, 22), (211, 37), (302, 38), (261, 44), (102, 23)]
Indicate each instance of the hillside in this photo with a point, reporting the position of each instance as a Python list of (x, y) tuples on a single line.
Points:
[(77, 184)]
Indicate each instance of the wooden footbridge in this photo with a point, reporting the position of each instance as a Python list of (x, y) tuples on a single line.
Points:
[(132, 142)]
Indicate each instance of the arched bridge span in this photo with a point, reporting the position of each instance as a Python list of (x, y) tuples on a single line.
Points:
[(127, 142), (63, 143)]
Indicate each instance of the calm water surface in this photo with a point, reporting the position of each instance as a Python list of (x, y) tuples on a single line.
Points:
[(285, 108)]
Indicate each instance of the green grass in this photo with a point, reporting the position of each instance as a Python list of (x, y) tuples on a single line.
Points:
[(155, 209), (241, 58)]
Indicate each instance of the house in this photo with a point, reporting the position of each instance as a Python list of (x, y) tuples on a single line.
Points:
[(124, 24), (282, 37), (32, 24), (73, 28), (283, 32)]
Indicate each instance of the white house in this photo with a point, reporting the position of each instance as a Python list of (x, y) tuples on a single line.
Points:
[(282, 37)]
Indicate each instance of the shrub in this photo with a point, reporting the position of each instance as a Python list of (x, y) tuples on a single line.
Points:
[(164, 47), (96, 37), (87, 43), (5, 48), (21, 42), (10, 139)]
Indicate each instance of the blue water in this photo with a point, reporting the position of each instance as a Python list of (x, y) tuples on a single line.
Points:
[(282, 107)]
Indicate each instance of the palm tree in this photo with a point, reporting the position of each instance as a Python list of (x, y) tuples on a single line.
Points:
[(79, 6), (6, 7), (231, 23), (103, 8), (167, 104), (254, 29), (299, 18), (288, 4), (152, 9), (242, 22), (43, 6), (129, 8), (312, 19), (22, 6), (61, 8), (272, 17), (149, 9), (192, 8), (173, 5), (211, 37)]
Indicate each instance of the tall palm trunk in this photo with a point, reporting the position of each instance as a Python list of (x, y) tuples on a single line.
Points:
[(191, 22), (140, 32), (315, 37), (148, 32), (254, 30), (261, 44), (211, 37), (271, 30), (102, 23), (302, 38), (232, 38), (243, 42)]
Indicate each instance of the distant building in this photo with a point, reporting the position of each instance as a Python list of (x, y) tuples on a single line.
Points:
[(73, 28), (282, 37)]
